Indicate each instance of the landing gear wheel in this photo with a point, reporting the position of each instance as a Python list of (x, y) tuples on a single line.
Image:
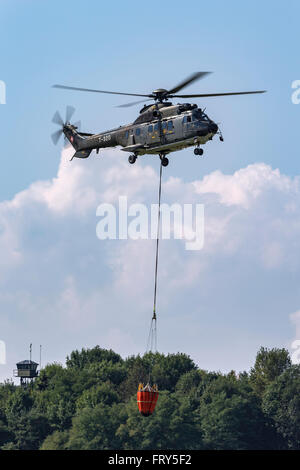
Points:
[(198, 151), (165, 161), (132, 159)]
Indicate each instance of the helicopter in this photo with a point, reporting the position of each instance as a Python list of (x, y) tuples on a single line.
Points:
[(160, 128)]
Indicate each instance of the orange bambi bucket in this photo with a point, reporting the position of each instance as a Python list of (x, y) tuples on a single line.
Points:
[(146, 399)]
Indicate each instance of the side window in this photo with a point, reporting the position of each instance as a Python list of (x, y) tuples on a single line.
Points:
[(126, 134), (150, 129), (138, 131), (156, 127), (170, 125), (184, 120), (164, 125), (189, 119)]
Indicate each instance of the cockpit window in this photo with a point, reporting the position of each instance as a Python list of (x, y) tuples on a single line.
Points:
[(197, 114)]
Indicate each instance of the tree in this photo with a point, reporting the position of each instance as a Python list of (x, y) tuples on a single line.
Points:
[(6, 391), (194, 382), (5, 435), (231, 417), (172, 426), (91, 404), (114, 372), (281, 403), (28, 427), (269, 364), (85, 357), (166, 370), (95, 428), (56, 441), (137, 370), (103, 393)]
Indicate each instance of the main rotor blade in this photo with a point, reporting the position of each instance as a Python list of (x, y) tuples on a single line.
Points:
[(127, 105), (57, 119), (56, 135), (207, 95), (70, 110), (192, 78), (98, 91)]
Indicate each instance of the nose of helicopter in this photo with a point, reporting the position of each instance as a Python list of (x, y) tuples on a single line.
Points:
[(213, 127)]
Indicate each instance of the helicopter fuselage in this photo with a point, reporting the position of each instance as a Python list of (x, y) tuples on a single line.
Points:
[(160, 129)]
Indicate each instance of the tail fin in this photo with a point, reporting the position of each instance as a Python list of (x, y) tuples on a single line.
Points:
[(72, 135), (76, 140)]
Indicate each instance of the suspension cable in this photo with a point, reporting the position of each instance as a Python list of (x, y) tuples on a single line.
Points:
[(152, 338)]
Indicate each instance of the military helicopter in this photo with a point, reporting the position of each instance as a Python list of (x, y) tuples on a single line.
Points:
[(161, 127)]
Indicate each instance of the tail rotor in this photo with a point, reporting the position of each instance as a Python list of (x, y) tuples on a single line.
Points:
[(57, 119)]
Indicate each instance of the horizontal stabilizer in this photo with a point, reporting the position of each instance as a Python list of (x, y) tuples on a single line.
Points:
[(82, 153)]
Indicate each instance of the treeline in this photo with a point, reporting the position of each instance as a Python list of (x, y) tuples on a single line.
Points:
[(91, 404)]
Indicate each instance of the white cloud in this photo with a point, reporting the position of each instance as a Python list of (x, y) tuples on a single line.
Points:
[(59, 284), (245, 185), (295, 319)]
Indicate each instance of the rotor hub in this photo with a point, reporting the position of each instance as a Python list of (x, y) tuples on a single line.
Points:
[(160, 94)]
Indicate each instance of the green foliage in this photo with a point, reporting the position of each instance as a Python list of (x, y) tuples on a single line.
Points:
[(172, 426), (163, 370), (194, 382), (168, 369), (5, 435), (85, 357), (231, 417), (108, 371), (137, 370), (269, 364), (103, 393), (56, 441), (28, 427), (91, 404), (281, 402), (96, 428)]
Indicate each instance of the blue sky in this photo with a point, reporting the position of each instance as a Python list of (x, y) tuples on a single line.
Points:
[(137, 47)]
